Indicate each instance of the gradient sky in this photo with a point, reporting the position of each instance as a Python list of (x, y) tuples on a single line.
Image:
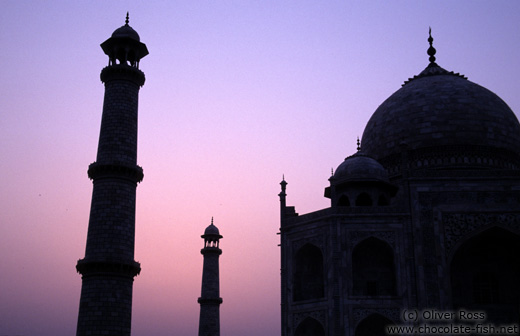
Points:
[(237, 93)]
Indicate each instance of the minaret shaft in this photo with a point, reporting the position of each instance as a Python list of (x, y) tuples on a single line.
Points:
[(210, 275), (108, 268), (118, 135)]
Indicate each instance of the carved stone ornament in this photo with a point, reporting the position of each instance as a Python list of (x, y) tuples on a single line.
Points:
[(458, 225), (354, 237), (318, 315), (359, 314), (316, 240)]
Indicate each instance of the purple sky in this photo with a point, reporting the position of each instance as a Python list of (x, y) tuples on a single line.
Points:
[(237, 94)]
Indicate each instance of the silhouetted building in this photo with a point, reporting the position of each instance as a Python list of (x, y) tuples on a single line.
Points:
[(210, 300), (108, 269), (425, 215)]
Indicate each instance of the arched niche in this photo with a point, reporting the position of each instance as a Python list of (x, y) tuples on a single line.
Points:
[(343, 201), (308, 277), (373, 269), (485, 273)]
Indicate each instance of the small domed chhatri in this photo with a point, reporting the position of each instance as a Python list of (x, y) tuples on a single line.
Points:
[(360, 167), (357, 176), (211, 236), (124, 47), (440, 112)]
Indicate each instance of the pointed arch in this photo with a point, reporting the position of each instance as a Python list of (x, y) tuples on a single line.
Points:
[(343, 201), (309, 327), (373, 325), (308, 277), (373, 269), (484, 275)]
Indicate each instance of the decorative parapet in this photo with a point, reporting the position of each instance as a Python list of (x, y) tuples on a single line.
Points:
[(459, 157)]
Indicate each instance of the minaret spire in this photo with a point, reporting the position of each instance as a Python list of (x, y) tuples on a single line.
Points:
[(210, 300)]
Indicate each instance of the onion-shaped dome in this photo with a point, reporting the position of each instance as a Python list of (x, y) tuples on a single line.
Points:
[(443, 115)]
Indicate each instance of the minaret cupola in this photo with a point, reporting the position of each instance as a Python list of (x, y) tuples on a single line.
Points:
[(124, 46), (211, 236)]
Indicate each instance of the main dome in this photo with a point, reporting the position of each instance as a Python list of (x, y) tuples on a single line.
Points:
[(440, 110)]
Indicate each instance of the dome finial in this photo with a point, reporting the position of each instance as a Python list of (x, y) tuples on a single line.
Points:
[(127, 19), (211, 220), (358, 144), (431, 50)]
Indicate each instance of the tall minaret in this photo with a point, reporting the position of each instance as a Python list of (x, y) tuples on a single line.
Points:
[(210, 300), (283, 269), (108, 269)]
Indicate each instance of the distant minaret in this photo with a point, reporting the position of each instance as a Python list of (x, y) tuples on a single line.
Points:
[(283, 270), (210, 300), (108, 269)]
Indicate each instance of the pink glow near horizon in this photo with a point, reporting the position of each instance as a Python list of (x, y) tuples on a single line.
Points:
[(237, 94)]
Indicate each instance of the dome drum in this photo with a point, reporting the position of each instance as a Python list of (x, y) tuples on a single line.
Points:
[(464, 157)]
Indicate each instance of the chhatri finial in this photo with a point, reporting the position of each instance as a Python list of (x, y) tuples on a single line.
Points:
[(211, 220), (127, 19), (431, 49), (358, 144)]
